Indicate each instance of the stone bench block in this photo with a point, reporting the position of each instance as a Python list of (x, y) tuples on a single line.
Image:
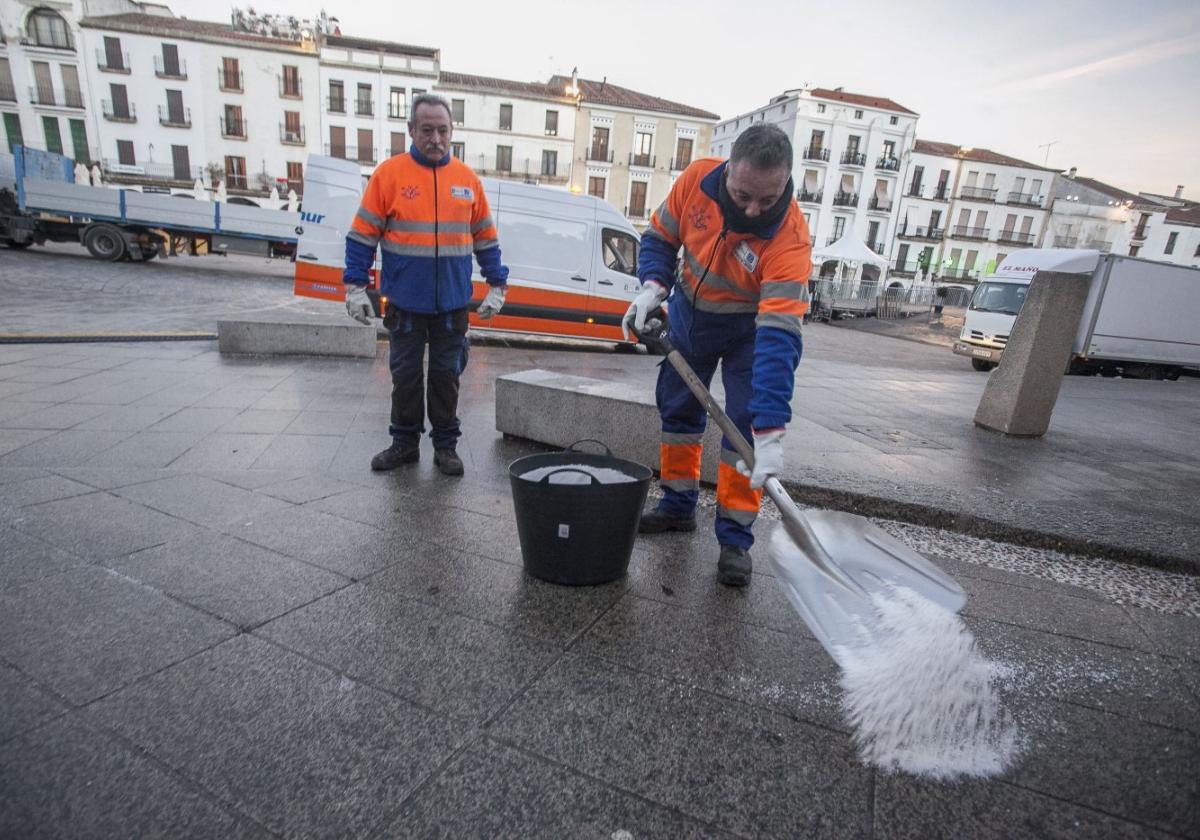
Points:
[(559, 409), (296, 338)]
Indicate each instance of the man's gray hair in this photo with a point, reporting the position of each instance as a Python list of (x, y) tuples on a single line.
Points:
[(429, 99), (763, 146)]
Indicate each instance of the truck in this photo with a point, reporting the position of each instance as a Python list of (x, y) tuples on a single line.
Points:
[(572, 258), (1139, 320), (43, 202)]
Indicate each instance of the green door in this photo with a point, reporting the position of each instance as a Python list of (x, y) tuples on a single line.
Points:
[(12, 129), (79, 141), (53, 137)]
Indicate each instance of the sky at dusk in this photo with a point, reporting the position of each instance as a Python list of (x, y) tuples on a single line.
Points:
[(1114, 86)]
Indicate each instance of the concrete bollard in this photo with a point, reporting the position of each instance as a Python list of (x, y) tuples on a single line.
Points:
[(1021, 392)]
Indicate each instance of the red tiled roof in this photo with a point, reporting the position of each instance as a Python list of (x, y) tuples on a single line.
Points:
[(880, 102), (606, 93), (182, 28), (1107, 189), (931, 147), (489, 84), (380, 46), (1185, 215)]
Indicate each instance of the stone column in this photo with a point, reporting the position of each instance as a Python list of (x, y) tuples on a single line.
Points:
[(1021, 392)]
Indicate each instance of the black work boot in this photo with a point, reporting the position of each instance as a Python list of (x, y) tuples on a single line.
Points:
[(655, 522), (394, 456), (733, 569), (448, 462)]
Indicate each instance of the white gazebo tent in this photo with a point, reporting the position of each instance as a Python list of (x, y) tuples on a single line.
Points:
[(846, 293), (849, 249)]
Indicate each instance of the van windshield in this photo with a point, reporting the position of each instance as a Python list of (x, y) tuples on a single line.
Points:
[(1005, 298)]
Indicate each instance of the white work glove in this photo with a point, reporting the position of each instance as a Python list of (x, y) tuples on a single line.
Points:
[(492, 302), (358, 305), (649, 298), (768, 457)]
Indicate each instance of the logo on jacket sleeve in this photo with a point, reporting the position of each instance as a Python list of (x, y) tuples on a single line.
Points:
[(410, 192), (699, 218), (462, 193), (745, 256)]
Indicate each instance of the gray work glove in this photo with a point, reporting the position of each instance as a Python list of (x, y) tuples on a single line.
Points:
[(358, 305), (492, 302), (649, 298)]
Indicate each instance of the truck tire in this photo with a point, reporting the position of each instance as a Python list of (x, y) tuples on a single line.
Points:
[(12, 243), (981, 365), (105, 242)]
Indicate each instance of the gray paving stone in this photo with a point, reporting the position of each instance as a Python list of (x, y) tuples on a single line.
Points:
[(256, 421), (233, 396), (349, 548), (24, 558), (387, 506), (133, 418), (305, 452), (496, 592), (67, 780), (283, 398), (110, 478), (241, 583), (42, 489), (87, 631), (221, 451), (25, 704), (67, 448), (1040, 667), (309, 422), (308, 488), (99, 525), (146, 449), (755, 665), (493, 790), (299, 748), (458, 665), (14, 475), (250, 479), (204, 501), (740, 768), (195, 420), (1175, 635), (64, 415)]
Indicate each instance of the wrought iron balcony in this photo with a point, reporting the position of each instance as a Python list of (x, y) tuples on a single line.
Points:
[(637, 213), (921, 232), (1016, 237), (810, 197), (883, 205), (42, 95), (600, 154), (233, 128), (293, 136), (236, 180), (977, 194), (1026, 199), (680, 164), (178, 70), (156, 171), (877, 246), (363, 154), (941, 194), (335, 104), (816, 153), (1102, 245), (181, 118), (845, 199), (888, 164), (395, 112), (914, 190), (112, 64), (125, 113), (8, 92), (290, 88), (365, 108), (72, 98), (230, 82), (963, 232), (958, 273), (853, 158), (641, 160), (1066, 241)]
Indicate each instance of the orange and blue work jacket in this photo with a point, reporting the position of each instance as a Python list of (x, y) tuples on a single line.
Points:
[(754, 281), (427, 218)]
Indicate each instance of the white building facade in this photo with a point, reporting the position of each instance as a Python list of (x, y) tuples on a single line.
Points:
[(505, 129), (850, 154)]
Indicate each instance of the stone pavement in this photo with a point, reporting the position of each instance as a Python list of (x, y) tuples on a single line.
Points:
[(216, 621)]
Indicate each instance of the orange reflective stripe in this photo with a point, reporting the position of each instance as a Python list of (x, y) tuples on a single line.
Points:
[(733, 490), (680, 461)]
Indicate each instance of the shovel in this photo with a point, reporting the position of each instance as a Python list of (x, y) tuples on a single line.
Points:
[(832, 565)]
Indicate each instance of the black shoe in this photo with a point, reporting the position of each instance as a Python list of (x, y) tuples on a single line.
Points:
[(733, 569), (448, 462), (394, 456), (655, 522)]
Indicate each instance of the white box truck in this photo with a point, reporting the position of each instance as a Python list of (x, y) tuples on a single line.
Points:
[(1141, 318), (572, 259)]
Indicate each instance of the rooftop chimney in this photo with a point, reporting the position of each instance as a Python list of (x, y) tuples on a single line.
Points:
[(1072, 171), (1179, 191)]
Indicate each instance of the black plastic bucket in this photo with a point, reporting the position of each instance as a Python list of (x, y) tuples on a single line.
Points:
[(578, 534)]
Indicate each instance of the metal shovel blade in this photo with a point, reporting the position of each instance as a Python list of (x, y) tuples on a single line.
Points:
[(871, 560)]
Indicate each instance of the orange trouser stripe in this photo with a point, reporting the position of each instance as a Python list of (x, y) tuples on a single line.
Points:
[(733, 490), (681, 461)]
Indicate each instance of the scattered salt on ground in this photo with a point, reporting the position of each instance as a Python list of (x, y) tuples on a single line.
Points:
[(604, 475), (922, 698)]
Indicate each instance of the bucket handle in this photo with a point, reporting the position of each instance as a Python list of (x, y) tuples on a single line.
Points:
[(546, 478), (572, 448)]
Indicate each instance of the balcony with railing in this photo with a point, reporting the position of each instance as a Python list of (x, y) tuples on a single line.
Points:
[(1066, 241), (906, 269), (290, 87), (233, 128), (816, 153), (600, 154), (112, 64), (964, 232), (1140, 233), (877, 246), (1024, 199), (42, 95), (977, 194), (174, 117), (72, 98), (680, 164), (1102, 245), (531, 170), (941, 194), (852, 158), (806, 197), (335, 104), (176, 70), (914, 190), (637, 214), (8, 92), (397, 112), (123, 113), (920, 232), (959, 273), (230, 82), (236, 181), (845, 199), (880, 205), (291, 135), (888, 164), (115, 170), (364, 107), (1016, 237), (829, 240), (363, 154), (646, 161)]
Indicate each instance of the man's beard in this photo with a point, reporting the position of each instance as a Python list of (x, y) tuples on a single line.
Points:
[(737, 221)]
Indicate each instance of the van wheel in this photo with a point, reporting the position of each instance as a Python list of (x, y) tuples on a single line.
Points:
[(981, 365), (105, 242), (12, 243)]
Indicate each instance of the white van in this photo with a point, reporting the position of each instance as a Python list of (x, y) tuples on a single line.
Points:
[(572, 259)]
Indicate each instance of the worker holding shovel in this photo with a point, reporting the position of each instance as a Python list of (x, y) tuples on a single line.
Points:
[(739, 298)]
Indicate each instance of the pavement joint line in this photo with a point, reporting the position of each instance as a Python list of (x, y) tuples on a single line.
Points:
[(97, 337)]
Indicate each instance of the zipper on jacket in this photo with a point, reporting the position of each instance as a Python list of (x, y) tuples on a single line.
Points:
[(436, 260)]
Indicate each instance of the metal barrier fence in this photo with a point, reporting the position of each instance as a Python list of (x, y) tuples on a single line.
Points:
[(841, 298)]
